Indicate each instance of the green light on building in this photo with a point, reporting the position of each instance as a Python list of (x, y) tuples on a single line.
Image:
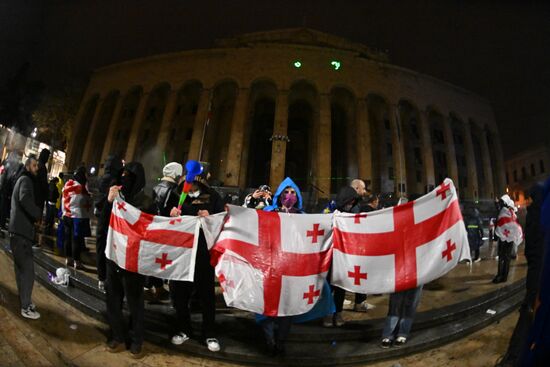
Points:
[(297, 64), (335, 64)]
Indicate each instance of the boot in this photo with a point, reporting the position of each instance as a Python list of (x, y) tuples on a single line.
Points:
[(500, 273)]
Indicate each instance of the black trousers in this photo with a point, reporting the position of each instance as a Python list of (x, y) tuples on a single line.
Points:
[(73, 244), (23, 264), (276, 329), (203, 285), (101, 260), (120, 283), (504, 257)]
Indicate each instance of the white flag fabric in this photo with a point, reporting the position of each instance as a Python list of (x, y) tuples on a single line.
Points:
[(508, 228), (401, 247), (268, 262), (152, 245)]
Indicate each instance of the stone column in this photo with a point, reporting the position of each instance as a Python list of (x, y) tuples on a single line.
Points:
[(167, 119), (69, 161), (324, 140), (472, 192), (364, 145), (426, 137), (200, 120), (451, 152), (487, 167), (399, 172), (136, 127), (90, 143), (278, 147), (235, 149), (113, 124), (500, 185)]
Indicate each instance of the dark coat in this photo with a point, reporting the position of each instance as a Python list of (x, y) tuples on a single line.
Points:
[(166, 197), (137, 197), (534, 235), (113, 169), (41, 181), (346, 195), (24, 211), (474, 227)]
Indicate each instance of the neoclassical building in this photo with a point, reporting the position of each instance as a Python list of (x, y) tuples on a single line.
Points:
[(292, 102)]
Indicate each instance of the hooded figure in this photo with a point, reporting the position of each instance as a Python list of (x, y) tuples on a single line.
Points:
[(120, 282), (113, 173), (473, 223), (41, 183), (509, 234), (284, 200), (165, 193)]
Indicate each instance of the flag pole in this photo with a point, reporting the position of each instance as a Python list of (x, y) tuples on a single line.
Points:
[(206, 123)]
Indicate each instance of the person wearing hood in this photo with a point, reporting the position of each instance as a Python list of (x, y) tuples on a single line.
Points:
[(509, 234), (42, 178), (346, 200), (474, 228), (166, 197), (24, 214), (201, 201), (534, 253), (287, 199), (51, 210), (259, 199), (76, 204), (121, 283), (112, 177)]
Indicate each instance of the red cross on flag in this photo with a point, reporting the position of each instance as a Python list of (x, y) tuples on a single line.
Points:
[(271, 263), (401, 247), (508, 228), (152, 245)]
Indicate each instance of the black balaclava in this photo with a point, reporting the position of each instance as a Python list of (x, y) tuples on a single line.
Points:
[(128, 181), (80, 175)]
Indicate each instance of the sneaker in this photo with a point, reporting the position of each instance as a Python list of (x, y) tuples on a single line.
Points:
[(36, 246), (327, 321), (30, 313), (400, 340), (78, 265), (213, 344), (115, 347), (68, 262), (477, 260), (386, 343), (101, 285), (136, 351), (179, 338), (338, 320), (363, 307)]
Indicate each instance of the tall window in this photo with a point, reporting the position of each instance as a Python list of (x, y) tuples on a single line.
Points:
[(541, 164), (533, 173)]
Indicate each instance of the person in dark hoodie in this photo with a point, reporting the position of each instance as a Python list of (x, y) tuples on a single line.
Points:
[(534, 253), (24, 213), (120, 282), (202, 200), (42, 179), (346, 200), (12, 166), (112, 177), (51, 210), (473, 223)]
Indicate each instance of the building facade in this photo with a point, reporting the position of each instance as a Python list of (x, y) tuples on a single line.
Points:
[(294, 102), (526, 169)]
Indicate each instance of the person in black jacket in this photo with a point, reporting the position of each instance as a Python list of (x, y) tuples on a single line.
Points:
[(41, 188), (24, 213), (51, 207), (12, 166), (473, 223), (120, 282), (113, 172), (166, 197), (202, 200), (346, 200)]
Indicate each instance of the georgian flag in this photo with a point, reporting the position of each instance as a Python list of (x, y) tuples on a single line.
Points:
[(152, 245), (270, 263), (508, 228), (401, 247)]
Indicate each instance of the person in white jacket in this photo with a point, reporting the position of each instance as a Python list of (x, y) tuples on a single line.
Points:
[(509, 234)]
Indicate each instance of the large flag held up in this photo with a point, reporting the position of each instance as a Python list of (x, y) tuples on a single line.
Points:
[(401, 247), (270, 263), (152, 245)]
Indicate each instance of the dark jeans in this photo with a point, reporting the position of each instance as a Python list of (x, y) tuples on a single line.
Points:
[(203, 285), (5, 204), (276, 329), (51, 210), (119, 283), (504, 257), (23, 264), (401, 313), (73, 244)]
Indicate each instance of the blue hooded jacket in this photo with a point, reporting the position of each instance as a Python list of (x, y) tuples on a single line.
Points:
[(287, 182)]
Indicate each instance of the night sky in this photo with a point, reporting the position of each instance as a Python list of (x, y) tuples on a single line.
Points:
[(499, 51)]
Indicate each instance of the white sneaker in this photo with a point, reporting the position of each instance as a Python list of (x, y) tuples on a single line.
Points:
[(30, 313), (101, 285), (179, 338), (213, 344)]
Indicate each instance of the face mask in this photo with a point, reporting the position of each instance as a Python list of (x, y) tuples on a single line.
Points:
[(195, 194), (288, 200), (127, 184)]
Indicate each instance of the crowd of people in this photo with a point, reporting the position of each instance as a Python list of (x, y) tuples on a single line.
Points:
[(25, 191)]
